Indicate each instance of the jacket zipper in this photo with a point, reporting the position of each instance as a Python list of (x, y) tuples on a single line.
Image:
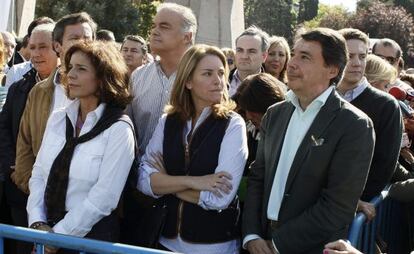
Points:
[(187, 164)]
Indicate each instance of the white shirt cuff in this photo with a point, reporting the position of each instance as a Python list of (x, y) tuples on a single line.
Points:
[(36, 215), (249, 238)]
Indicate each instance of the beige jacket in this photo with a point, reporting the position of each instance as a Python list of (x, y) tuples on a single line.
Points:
[(32, 128)]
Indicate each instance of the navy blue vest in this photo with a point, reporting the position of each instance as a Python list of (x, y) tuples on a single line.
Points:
[(193, 223)]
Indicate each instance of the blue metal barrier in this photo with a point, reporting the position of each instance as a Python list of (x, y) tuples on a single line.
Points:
[(362, 234), (83, 245)]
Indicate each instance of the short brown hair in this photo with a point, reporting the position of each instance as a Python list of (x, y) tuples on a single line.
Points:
[(72, 19), (181, 102), (387, 42), (259, 91), (110, 68), (354, 34), (136, 38)]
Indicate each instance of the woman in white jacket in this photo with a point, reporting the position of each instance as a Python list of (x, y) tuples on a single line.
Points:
[(87, 149)]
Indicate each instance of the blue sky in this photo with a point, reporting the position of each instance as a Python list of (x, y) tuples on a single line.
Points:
[(350, 4)]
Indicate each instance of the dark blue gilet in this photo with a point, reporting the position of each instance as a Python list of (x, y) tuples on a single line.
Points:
[(193, 223)]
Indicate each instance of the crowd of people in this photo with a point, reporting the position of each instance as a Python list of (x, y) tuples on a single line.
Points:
[(267, 148)]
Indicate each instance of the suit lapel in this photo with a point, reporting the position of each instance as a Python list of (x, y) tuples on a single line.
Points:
[(322, 120), (279, 124)]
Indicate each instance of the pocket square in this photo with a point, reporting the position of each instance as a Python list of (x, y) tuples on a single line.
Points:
[(317, 142)]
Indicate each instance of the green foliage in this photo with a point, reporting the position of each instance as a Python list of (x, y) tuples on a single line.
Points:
[(147, 10), (380, 20), (308, 9), (123, 17), (407, 4), (335, 17), (274, 17)]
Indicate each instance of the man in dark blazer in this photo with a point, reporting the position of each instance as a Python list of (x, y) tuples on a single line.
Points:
[(313, 156), (381, 107)]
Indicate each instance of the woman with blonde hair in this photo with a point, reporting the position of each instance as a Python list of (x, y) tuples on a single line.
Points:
[(379, 72), (195, 158), (277, 58), (230, 55), (87, 149)]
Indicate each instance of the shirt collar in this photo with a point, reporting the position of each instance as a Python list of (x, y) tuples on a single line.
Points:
[(317, 103), (353, 93), (72, 110), (236, 76), (161, 72)]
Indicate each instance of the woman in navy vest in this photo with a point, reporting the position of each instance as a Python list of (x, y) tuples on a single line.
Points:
[(196, 157)]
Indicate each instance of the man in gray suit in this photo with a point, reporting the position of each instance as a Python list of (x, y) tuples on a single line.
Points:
[(313, 156)]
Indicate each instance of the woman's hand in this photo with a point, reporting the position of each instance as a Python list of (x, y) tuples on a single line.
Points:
[(218, 183)]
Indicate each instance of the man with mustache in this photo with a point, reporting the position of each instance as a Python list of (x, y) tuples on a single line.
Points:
[(251, 52), (383, 110), (312, 158)]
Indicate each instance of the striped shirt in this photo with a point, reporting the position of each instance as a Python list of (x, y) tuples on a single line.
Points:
[(151, 89)]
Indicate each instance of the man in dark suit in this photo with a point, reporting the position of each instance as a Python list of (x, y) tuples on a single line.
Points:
[(381, 107), (313, 156)]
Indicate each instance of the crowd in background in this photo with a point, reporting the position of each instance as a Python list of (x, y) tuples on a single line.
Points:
[(265, 148)]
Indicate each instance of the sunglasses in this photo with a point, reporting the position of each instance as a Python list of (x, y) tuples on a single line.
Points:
[(389, 59)]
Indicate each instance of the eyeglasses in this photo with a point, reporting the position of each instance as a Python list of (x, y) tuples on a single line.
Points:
[(389, 59)]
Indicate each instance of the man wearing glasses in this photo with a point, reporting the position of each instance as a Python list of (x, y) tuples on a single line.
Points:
[(389, 50)]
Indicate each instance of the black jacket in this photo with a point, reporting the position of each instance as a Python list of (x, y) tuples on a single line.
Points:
[(10, 120)]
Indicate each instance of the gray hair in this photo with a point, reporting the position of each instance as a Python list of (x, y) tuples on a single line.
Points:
[(255, 31), (189, 19)]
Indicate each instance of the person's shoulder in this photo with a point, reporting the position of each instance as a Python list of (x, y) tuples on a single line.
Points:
[(143, 70), (18, 67), (122, 128), (57, 117), (381, 96), (236, 119), (38, 87), (352, 113), (280, 106)]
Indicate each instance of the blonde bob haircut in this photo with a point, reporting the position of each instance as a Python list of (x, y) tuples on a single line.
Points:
[(379, 70), (181, 101)]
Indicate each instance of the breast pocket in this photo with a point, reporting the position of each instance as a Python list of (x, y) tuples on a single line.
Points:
[(87, 162)]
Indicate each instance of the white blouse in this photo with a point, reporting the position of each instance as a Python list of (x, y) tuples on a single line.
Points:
[(232, 159), (97, 175)]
